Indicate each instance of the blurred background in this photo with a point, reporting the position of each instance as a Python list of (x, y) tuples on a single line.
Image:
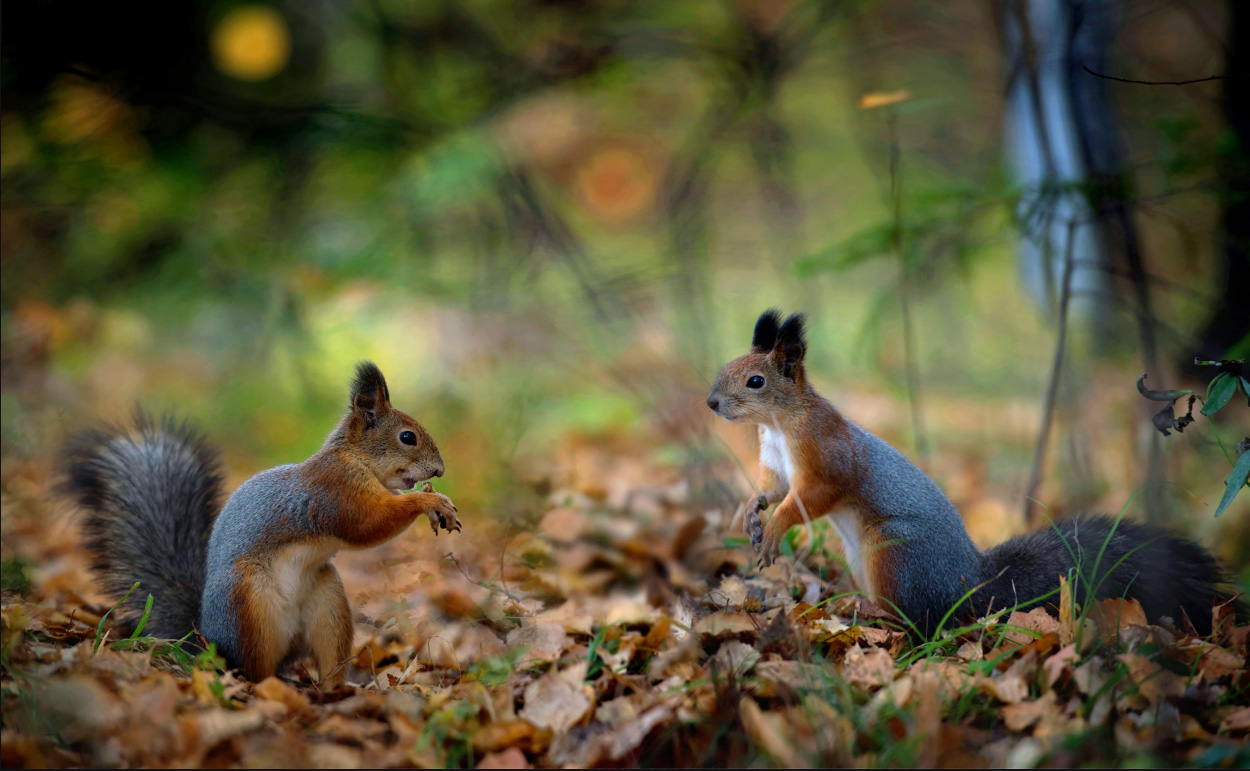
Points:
[(550, 222)]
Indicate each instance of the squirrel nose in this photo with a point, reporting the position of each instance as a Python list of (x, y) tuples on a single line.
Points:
[(438, 470), (713, 403)]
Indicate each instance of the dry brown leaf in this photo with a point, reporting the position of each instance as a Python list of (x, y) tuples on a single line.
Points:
[(868, 668), (556, 701), (1216, 663), (771, 733), (1022, 715), (273, 689), (736, 658), (499, 736), (1037, 620), (1068, 620), (795, 675), (565, 525), (1060, 663), (1009, 689), (350, 729), (1153, 682), (1115, 614), (727, 624), (1236, 722), (546, 641), (509, 758)]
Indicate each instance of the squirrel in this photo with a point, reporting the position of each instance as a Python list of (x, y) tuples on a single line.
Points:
[(904, 541), (253, 576)]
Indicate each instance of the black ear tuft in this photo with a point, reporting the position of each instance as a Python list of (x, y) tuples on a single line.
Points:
[(790, 345), (766, 331), (369, 391)]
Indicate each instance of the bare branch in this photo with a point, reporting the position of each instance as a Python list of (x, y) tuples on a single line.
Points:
[(1160, 82)]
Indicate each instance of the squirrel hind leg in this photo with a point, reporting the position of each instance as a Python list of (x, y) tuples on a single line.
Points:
[(326, 621)]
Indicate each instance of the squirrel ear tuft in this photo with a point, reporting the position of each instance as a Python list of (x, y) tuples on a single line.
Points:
[(369, 391), (790, 346), (766, 327)]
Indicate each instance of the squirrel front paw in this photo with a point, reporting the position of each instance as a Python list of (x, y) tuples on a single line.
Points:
[(443, 514), (751, 521), (766, 552), (769, 547)]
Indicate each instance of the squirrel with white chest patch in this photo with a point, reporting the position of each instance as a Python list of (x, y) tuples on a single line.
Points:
[(904, 541)]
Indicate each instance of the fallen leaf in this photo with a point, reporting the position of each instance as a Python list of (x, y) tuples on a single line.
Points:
[(736, 658), (868, 668), (1022, 715), (770, 732), (546, 641), (555, 703), (1036, 620), (273, 689), (727, 624)]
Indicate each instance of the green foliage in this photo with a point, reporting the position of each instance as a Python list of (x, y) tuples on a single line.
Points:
[(495, 670), (1236, 479), (99, 630), (14, 576)]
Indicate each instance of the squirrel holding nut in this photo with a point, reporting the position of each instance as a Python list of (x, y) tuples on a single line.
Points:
[(253, 576), (904, 542)]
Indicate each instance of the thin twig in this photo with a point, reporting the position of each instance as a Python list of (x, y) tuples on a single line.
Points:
[(1056, 367), (1160, 82), (909, 347)]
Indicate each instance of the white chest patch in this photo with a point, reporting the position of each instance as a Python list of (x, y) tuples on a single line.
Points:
[(846, 522), (293, 581), (775, 453)]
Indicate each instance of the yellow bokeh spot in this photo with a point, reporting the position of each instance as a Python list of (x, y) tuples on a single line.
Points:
[(882, 99), (251, 43)]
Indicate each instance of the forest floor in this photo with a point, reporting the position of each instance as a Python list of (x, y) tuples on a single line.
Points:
[(616, 628)]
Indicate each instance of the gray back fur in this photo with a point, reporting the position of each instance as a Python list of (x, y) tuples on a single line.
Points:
[(268, 511), (938, 561)]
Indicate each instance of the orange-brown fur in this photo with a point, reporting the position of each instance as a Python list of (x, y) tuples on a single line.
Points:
[(829, 472), (905, 543), (272, 594)]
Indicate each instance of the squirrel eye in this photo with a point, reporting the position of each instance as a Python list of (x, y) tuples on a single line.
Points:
[(408, 437), (755, 381)]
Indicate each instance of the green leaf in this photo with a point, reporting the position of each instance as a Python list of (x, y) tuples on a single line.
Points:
[(1160, 396), (1218, 393), (1235, 481), (1245, 389)]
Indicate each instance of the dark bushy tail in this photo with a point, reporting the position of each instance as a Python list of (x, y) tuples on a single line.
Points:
[(151, 494), (1169, 575)]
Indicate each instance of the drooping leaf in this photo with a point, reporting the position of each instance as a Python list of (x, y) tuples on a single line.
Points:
[(1160, 396), (1218, 393), (1166, 418), (1235, 480)]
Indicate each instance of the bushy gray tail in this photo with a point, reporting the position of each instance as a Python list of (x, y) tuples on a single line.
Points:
[(151, 494), (1169, 575)]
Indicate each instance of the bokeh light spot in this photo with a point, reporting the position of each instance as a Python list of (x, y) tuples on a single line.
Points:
[(618, 184), (251, 43)]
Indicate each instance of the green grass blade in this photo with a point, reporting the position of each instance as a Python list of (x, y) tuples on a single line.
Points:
[(99, 630), (143, 621)]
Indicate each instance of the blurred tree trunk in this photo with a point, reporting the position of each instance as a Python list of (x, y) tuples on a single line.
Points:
[(1230, 320), (1064, 142)]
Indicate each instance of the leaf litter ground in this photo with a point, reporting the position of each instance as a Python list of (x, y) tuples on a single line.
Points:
[(631, 633)]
